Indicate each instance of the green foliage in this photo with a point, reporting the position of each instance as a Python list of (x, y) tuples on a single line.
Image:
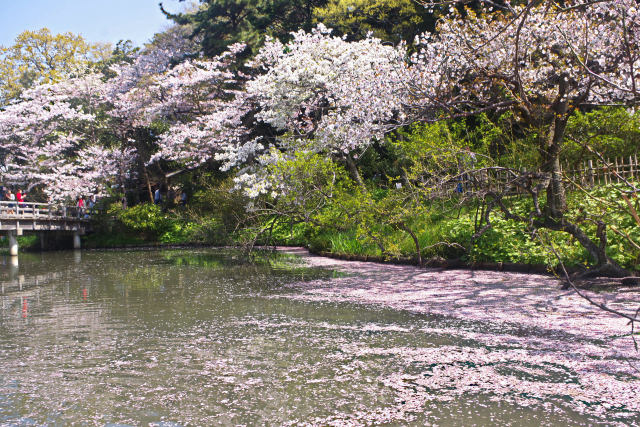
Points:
[(42, 57), (450, 237), (146, 219), (607, 204), (27, 242), (355, 222), (286, 231), (220, 23), (346, 243), (305, 183), (612, 132), (389, 20), (218, 208), (424, 148)]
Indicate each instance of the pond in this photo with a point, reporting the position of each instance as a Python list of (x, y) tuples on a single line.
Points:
[(212, 337)]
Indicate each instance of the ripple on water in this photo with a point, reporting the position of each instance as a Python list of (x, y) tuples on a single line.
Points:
[(208, 338)]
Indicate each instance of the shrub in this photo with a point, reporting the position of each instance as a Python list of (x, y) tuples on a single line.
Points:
[(146, 219)]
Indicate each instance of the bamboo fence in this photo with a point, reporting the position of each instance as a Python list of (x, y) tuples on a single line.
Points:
[(586, 174), (591, 173)]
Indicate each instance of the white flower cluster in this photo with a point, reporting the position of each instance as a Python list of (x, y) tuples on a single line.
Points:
[(322, 93)]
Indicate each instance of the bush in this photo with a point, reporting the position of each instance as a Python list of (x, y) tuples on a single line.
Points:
[(146, 219)]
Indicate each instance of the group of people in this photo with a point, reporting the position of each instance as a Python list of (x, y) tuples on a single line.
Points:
[(85, 209), (157, 197), (8, 196)]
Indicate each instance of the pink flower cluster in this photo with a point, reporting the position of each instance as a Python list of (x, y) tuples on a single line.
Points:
[(325, 94)]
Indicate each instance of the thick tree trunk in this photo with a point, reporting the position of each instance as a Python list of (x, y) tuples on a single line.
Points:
[(556, 194), (556, 205), (353, 170), (416, 242)]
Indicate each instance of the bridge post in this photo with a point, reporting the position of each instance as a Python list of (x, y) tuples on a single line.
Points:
[(13, 243), (76, 240)]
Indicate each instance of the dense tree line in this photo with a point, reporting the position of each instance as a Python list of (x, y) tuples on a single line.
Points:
[(346, 126)]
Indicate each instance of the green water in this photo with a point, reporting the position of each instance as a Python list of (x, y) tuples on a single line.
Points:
[(209, 337)]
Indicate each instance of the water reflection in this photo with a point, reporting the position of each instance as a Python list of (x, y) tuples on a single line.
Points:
[(206, 338), (81, 340), (77, 256)]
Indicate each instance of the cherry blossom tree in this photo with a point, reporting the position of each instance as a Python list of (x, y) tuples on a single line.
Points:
[(93, 170), (197, 99), (329, 95), (128, 89), (323, 93), (42, 132), (202, 101), (130, 96), (543, 61)]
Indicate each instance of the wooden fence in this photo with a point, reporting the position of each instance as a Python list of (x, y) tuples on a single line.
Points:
[(588, 173), (607, 171)]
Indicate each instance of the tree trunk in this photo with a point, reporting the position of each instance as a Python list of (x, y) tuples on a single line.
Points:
[(146, 178), (353, 170), (557, 200), (416, 242), (556, 195), (605, 266)]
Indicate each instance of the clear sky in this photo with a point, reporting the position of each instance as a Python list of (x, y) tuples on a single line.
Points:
[(96, 20)]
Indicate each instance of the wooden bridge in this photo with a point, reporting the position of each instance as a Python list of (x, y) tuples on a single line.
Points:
[(18, 217)]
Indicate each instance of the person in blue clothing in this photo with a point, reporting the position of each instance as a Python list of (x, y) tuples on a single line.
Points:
[(157, 196)]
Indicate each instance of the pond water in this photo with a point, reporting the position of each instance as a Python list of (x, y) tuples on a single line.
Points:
[(210, 337)]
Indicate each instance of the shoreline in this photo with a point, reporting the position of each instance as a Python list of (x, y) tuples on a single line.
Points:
[(528, 340), (601, 283), (429, 263)]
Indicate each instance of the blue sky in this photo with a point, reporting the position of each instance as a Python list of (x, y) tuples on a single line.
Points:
[(96, 20)]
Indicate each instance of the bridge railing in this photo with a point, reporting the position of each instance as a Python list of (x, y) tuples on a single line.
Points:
[(14, 209)]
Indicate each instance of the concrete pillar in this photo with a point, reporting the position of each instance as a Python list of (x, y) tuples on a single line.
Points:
[(76, 240), (43, 241), (13, 243)]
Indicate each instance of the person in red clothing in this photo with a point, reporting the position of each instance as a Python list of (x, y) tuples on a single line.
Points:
[(20, 197), (80, 207)]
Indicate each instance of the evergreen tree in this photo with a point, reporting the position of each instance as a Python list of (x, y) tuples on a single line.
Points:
[(389, 20), (220, 23)]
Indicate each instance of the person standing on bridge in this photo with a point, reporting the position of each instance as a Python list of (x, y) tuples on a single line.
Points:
[(91, 204), (80, 206), (10, 197), (20, 198)]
